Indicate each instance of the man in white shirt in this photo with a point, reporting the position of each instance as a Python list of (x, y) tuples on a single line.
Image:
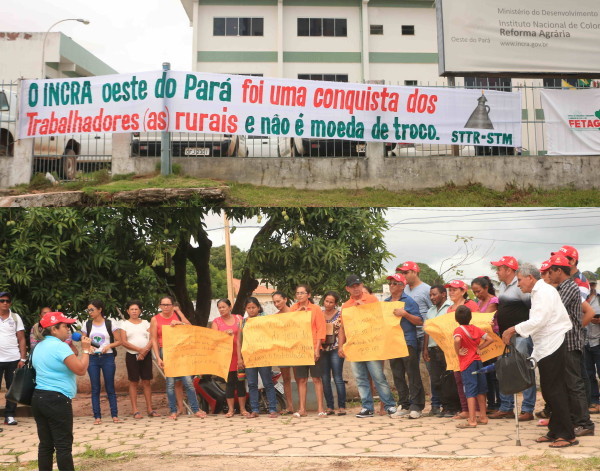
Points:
[(13, 351), (547, 325)]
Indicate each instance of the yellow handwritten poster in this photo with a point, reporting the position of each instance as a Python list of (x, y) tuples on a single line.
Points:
[(441, 328), (278, 339), (373, 332), (191, 350)]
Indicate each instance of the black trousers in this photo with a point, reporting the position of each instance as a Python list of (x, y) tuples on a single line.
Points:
[(437, 368), (53, 415), (555, 393), (412, 396), (234, 384), (7, 371), (580, 415)]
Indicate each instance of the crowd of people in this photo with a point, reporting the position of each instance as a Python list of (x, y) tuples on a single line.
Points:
[(551, 313)]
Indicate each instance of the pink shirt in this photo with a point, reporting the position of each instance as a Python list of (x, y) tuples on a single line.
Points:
[(483, 307), (235, 327)]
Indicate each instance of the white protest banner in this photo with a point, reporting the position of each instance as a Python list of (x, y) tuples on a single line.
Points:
[(179, 101), (572, 121)]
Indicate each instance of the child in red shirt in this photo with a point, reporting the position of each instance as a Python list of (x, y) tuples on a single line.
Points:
[(468, 341)]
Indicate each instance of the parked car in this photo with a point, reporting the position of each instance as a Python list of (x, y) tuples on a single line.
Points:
[(327, 148), (186, 145), (64, 155)]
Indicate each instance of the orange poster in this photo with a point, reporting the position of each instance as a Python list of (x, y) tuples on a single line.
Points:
[(373, 332), (278, 339), (441, 328), (192, 350)]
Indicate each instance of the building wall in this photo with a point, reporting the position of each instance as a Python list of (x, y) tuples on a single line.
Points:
[(392, 57), (21, 57)]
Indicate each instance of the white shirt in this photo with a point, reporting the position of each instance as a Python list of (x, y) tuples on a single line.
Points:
[(548, 321), (9, 345), (99, 334), (137, 334)]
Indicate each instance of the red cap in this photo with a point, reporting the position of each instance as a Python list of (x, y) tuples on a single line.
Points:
[(53, 318), (509, 261), (545, 265), (568, 251), (397, 277), (456, 283), (558, 259), (408, 266)]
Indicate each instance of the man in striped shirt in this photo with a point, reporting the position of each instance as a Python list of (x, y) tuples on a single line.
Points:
[(570, 295)]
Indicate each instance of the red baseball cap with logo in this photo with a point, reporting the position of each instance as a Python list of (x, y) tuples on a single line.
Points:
[(509, 261), (397, 277), (53, 318), (558, 259), (545, 265), (568, 251), (408, 266), (456, 283)]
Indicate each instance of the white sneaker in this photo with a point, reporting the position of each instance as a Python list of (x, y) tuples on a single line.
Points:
[(399, 413), (10, 420), (414, 414)]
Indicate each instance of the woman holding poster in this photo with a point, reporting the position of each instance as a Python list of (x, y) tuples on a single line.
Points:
[(168, 317), (304, 303), (231, 324), (281, 301), (332, 362), (254, 309)]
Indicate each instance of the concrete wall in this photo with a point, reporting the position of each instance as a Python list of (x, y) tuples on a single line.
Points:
[(399, 173)]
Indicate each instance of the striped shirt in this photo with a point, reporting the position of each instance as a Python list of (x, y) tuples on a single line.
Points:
[(571, 298)]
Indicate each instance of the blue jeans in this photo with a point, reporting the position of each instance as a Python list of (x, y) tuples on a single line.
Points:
[(106, 364), (592, 364), (361, 371), (507, 402), (267, 380), (333, 363), (190, 392)]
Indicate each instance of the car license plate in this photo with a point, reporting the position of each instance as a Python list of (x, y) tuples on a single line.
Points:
[(279, 387), (197, 151), (361, 148)]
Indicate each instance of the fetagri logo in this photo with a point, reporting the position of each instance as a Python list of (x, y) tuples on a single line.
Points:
[(584, 122)]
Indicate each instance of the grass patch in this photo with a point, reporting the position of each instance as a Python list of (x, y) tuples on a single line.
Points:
[(93, 459), (28, 466), (152, 181), (473, 195), (555, 462)]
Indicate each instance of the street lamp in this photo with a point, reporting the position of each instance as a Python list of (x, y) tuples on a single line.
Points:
[(80, 20)]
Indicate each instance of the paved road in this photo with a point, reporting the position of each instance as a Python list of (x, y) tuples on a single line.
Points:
[(286, 436)]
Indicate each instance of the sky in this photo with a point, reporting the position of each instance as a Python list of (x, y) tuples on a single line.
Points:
[(427, 235), (128, 35)]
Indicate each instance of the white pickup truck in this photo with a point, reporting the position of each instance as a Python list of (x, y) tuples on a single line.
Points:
[(65, 155)]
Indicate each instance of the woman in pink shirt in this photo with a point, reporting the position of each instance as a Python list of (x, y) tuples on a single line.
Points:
[(230, 324)]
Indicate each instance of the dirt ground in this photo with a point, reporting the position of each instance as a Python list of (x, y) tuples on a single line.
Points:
[(248, 463)]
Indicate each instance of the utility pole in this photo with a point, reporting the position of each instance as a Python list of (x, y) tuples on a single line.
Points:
[(165, 142)]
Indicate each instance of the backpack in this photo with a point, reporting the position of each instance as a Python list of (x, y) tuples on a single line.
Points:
[(108, 323)]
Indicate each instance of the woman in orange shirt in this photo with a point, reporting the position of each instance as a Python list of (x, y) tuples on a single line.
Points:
[(303, 294)]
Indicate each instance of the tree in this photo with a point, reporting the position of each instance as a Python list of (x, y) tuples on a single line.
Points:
[(63, 257), (465, 255), (429, 275), (316, 246)]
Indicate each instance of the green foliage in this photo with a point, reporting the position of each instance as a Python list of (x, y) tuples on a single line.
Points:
[(63, 257), (39, 181), (238, 259), (176, 169), (429, 275), (317, 246), (119, 177)]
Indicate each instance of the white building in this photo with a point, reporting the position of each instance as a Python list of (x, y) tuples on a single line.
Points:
[(344, 40), (21, 57)]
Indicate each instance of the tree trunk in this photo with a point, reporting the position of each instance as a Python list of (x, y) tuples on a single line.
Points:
[(249, 283), (200, 258)]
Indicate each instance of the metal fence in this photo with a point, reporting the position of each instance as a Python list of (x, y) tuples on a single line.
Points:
[(68, 157)]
